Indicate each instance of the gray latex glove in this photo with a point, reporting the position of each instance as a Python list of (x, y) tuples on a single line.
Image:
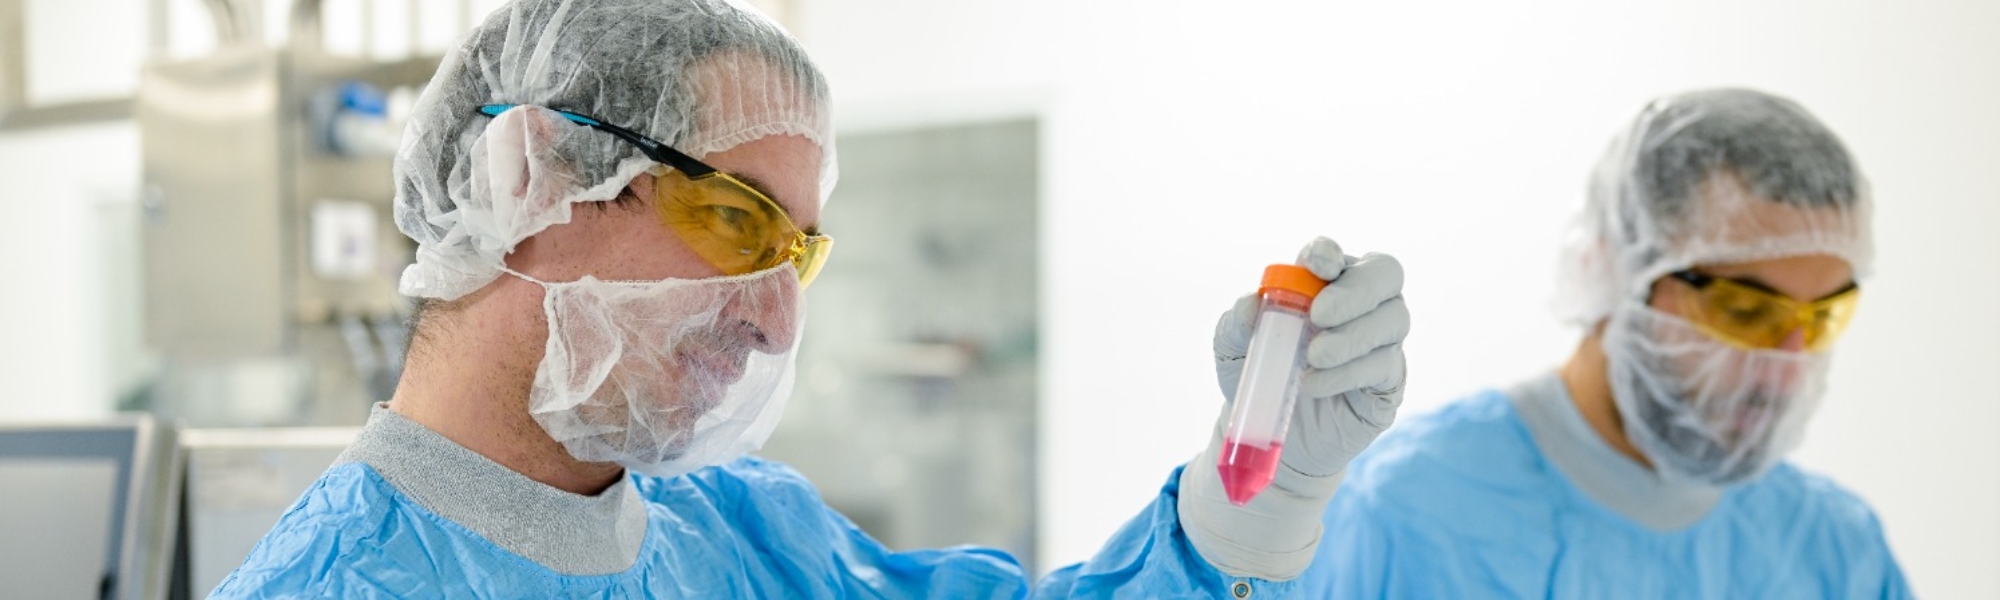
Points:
[(1350, 393)]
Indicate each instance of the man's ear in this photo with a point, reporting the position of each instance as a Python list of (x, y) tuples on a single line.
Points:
[(544, 178), (526, 181)]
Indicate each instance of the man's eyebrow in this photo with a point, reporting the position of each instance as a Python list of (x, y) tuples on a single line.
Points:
[(1754, 283), (1851, 286), (1758, 284), (756, 184), (762, 188)]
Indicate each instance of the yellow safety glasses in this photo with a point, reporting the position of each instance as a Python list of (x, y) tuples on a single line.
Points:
[(736, 228), (727, 222), (1747, 315)]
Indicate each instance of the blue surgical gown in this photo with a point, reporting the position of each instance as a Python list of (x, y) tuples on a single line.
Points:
[(749, 529), (1461, 504)]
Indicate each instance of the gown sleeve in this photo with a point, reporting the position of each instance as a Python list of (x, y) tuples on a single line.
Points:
[(1150, 557)]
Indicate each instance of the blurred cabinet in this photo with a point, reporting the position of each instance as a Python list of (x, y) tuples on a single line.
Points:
[(270, 251)]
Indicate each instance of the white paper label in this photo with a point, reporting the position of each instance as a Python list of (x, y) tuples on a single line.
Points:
[(343, 239)]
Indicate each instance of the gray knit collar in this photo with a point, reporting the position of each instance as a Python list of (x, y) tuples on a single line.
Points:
[(568, 533), (1600, 472)]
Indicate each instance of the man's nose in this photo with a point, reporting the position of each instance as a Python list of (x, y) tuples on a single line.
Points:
[(765, 317), (1795, 341), (1784, 374)]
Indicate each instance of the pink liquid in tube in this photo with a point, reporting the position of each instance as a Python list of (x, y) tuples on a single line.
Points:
[(1268, 391), (1247, 469)]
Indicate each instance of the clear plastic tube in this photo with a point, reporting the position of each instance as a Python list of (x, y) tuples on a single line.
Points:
[(1268, 391)]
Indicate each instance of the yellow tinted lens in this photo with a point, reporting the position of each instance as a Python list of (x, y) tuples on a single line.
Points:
[(1831, 317), (727, 223), (1752, 318), (812, 258)]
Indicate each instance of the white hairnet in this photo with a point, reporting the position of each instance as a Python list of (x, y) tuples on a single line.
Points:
[(699, 75), (1713, 176)]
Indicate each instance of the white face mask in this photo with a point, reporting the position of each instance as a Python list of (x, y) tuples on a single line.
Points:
[(1702, 410), (666, 377)]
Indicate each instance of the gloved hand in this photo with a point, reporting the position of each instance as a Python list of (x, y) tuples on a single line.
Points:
[(1349, 395)]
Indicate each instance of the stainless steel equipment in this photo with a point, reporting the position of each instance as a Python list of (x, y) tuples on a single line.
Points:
[(271, 255)]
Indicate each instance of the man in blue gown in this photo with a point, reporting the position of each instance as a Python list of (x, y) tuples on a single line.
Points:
[(616, 207), (1715, 264)]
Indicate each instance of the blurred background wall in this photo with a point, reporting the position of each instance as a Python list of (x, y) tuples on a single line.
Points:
[(1181, 145)]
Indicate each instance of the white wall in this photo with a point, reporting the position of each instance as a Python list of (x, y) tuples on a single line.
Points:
[(1187, 145), (69, 311)]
